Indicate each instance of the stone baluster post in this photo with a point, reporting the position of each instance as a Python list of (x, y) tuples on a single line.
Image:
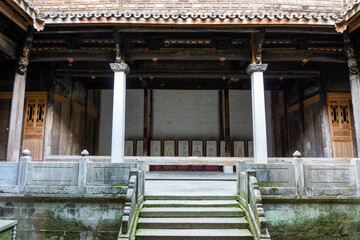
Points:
[(258, 112), (83, 162), (22, 170), (118, 118), (299, 173)]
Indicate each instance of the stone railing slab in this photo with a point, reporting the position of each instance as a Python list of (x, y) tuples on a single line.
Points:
[(8, 176)]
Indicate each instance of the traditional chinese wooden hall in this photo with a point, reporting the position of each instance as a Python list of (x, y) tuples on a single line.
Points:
[(178, 84)]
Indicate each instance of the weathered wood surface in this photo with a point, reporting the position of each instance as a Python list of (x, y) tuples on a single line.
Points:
[(16, 118), (5, 106), (269, 55), (7, 46)]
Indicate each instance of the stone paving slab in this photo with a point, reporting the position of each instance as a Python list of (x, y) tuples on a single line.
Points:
[(190, 176), (190, 188)]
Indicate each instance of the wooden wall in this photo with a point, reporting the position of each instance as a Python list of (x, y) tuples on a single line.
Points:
[(72, 118), (5, 108)]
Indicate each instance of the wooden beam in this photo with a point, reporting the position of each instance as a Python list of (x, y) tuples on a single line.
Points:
[(13, 16), (7, 46), (268, 55), (77, 55), (188, 74)]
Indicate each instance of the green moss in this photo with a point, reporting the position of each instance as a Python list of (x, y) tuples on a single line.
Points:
[(333, 226), (272, 185), (55, 226)]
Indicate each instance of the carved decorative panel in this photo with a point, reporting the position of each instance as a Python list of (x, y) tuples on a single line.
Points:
[(340, 124), (35, 111)]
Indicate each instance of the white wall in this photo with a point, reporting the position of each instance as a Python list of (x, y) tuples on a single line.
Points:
[(186, 114), (182, 114), (241, 117), (133, 122)]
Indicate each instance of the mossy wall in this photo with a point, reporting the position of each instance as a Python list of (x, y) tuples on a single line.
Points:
[(301, 221), (64, 219)]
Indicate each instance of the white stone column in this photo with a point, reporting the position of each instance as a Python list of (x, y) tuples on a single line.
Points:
[(118, 118), (258, 112)]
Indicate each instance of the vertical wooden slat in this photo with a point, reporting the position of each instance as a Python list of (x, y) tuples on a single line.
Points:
[(151, 120), (286, 147), (145, 133), (227, 124), (302, 121), (221, 116), (325, 127)]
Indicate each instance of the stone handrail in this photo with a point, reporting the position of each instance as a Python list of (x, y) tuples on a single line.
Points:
[(8, 229), (250, 198), (134, 199), (227, 161)]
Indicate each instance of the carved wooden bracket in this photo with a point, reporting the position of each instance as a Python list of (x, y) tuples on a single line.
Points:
[(24, 57), (350, 54), (257, 41)]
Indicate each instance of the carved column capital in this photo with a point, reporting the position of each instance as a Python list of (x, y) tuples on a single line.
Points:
[(256, 68), (120, 67)]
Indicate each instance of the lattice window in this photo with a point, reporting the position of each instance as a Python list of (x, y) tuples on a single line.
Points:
[(344, 114), (334, 113)]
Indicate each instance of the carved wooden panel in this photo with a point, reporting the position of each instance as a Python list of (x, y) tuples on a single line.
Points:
[(340, 124), (34, 123), (35, 112)]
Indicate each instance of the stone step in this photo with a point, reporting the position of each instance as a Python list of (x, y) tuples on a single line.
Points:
[(189, 197), (191, 212), (193, 234), (191, 203), (193, 223)]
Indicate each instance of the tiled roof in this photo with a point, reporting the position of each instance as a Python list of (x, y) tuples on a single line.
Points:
[(190, 17)]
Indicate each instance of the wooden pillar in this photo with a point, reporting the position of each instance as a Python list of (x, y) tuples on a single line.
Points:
[(17, 102), (286, 137), (221, 116), (302, 117), (146, 122), (118, 120), (151, 118), (325, 126), (354, 86), (227, 124)]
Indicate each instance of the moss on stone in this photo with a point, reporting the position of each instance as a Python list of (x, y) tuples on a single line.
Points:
[(272, 185), (333, 226)]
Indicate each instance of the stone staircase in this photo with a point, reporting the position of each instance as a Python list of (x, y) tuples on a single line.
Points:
[(186, 217)]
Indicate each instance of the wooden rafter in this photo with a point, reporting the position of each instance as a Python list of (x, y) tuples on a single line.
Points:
[(13, 16)]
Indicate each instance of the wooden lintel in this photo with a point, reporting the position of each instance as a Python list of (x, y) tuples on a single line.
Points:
[(13, 16), (7, 46), (186, 74), (77, 55), (268, 55)]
